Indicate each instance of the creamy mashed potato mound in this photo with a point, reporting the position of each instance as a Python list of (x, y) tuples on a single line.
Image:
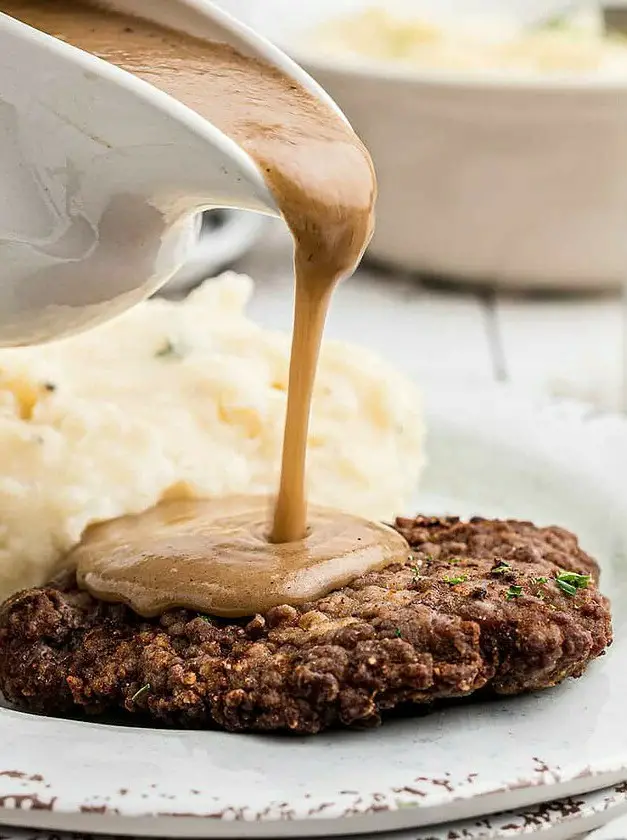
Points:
[(573, 44), (185, 398)]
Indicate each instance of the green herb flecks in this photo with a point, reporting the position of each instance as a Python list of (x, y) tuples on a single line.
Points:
[(501, 568), (397, 632), (169, 350), (541, 580), (570, 582), (143, 690), (453, 581), (454, 560), (514, 591), (415, 570)]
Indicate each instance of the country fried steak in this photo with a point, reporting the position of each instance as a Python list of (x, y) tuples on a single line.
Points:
[(496, 605)]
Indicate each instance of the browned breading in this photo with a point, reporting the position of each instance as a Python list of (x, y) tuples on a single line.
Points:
[(471, 610)]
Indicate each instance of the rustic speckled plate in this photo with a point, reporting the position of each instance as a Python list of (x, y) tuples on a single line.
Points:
[(558, 820), (492, 452)]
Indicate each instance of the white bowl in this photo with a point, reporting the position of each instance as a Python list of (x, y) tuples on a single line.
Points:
[(511, 180)]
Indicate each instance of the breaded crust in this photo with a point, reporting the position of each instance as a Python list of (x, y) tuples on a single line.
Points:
[(472, 610)]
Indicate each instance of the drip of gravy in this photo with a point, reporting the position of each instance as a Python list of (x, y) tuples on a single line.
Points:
[(323, 182)]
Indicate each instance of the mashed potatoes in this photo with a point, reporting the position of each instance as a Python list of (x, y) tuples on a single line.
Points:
[(570, 45), (177, 398)]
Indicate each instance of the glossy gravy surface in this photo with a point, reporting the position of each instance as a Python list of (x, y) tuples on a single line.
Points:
[(174, 555), (323, 182)]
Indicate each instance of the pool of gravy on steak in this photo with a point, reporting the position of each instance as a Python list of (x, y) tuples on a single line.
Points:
[(233, 557)]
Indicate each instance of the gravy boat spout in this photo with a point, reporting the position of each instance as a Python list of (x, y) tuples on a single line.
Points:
[(102, 176)]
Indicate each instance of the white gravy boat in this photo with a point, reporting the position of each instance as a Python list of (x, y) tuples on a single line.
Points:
[(102, 175)]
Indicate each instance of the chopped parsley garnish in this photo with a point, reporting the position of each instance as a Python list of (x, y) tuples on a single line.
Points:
[(397, 632), (453, 581), (168, 351), (415, 572), (143, 690), (501, 568), (577, 580), (513, 592), (570, 582), (454, 560), (541, 580)]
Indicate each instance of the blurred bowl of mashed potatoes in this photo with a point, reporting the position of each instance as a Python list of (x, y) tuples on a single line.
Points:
[(501, 149)]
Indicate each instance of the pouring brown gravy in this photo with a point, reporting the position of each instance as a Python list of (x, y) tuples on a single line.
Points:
[(220, 556)]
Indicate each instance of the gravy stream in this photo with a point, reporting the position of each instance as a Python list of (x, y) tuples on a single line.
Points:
[(323, 182)]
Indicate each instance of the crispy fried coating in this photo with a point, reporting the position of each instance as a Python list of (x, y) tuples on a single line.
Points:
[(482, 604)]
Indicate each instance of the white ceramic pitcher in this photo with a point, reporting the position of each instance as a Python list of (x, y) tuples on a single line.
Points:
[(102, 175)]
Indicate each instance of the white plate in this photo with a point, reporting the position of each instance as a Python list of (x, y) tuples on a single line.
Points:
[(559, 820), (493, 453)]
